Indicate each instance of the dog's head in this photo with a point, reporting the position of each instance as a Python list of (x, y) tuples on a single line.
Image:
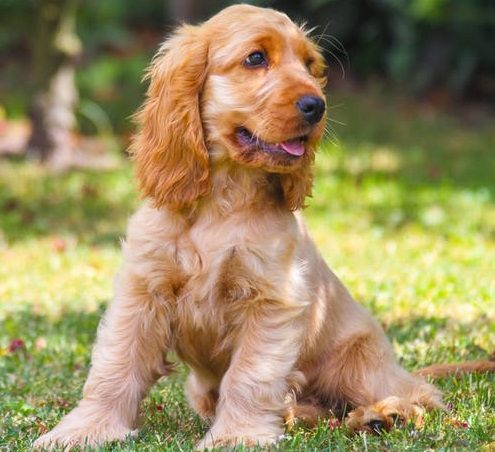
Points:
[(245, 88)]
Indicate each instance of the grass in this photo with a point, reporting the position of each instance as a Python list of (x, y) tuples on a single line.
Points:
[(403, 211)]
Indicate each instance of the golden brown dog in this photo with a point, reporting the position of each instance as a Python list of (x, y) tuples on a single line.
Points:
[(219, 268)]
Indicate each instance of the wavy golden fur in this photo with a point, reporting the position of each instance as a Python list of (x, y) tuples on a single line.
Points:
[(217, 266)]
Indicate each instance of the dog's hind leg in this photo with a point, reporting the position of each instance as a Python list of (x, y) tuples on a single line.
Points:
[(361, 371), (127, 358)]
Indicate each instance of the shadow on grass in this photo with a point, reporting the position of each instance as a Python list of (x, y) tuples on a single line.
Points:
[(427, 164), (436, 340), (92, 205), (431, 147), (76, 326), (411, 329)]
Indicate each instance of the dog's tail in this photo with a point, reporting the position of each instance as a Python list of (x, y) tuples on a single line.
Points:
[(444, 370)]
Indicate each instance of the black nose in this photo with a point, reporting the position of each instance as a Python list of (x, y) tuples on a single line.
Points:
[(311, 107)]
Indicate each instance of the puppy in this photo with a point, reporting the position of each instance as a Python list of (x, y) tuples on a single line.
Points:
[(218, 265)]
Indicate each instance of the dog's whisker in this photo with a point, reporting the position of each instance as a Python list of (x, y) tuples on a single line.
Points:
[(334, 106), (337, 45), (331, 135), (335, 42), (337, 59), (336, 121), (332, 139)]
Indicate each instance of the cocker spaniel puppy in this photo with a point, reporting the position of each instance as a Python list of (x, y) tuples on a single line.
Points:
[(218, 265)]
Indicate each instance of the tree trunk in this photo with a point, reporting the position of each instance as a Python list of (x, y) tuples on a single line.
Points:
[(55, 51)]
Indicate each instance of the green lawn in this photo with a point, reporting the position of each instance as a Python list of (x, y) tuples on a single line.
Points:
[(403, 211)]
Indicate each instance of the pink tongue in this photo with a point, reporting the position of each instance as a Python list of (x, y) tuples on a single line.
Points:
[(295, 147)]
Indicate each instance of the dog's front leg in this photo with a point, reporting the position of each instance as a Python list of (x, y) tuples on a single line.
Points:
[(253, 390), (127, 358)]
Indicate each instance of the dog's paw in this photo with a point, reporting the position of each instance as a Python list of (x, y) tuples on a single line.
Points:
[(69, 437), (88, 424), (384, 415)]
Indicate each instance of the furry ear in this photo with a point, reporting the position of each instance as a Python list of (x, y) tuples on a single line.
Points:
[(169, 150)]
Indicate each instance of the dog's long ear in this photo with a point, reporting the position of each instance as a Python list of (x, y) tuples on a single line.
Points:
[(169, 149)]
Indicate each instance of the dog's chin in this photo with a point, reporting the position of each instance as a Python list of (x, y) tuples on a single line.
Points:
[(283, 156)]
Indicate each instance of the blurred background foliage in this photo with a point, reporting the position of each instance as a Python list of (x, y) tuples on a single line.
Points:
[(434, 49)]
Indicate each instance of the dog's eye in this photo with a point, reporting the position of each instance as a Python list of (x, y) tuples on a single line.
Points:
[(308, 63), (255, 59)]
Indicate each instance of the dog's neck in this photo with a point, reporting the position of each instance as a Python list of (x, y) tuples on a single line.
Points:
[(236, 188)]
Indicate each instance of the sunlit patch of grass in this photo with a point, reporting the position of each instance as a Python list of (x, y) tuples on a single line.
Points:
[(403, 211)]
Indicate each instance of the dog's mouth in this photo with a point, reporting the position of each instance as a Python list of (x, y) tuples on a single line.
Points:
[(294, 147)]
